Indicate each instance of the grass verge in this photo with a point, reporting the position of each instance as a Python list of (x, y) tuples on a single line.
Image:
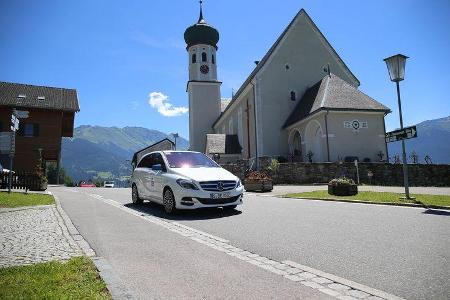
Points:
[(75, 279), (377, 197), (22, 199)]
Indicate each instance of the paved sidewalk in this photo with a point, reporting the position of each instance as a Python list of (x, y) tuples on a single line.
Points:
[(279, 190), (34, 234)]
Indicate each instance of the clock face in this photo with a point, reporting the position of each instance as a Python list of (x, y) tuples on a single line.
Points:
[(204, 69)]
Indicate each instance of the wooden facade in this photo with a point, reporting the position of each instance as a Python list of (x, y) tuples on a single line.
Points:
[(40, 135)]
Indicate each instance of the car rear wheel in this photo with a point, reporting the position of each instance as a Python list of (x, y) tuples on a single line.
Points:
[(135, 195), (169, 202)]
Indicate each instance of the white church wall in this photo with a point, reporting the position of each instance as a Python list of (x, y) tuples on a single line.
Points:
[(204, 109), (233, 112), (296, 65), (312, 131), (365, 141)]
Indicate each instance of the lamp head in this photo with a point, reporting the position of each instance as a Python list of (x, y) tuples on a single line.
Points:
[(396, 67)]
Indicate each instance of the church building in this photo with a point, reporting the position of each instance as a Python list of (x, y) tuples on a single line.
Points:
[(301, 101)]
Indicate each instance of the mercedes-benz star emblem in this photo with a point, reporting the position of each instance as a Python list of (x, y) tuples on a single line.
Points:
[(220, 186)]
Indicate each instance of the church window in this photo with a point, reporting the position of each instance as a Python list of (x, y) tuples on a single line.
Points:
[(204, 57), (194, 58), (293, 97), (213, 60)]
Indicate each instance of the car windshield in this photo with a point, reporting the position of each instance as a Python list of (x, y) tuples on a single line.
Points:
[(189, 160), (109, 182)]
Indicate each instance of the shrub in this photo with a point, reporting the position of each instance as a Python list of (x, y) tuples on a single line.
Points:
[(341, 181)]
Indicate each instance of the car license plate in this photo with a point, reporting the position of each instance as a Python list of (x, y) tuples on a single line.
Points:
[(220, 195)]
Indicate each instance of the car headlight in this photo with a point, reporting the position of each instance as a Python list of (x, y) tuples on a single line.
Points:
[(187, 184), (239, 183)]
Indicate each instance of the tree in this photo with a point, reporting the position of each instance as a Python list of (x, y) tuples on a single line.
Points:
[(63, 177)]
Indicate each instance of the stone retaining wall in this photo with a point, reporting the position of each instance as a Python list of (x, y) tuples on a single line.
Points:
[(383, 173)]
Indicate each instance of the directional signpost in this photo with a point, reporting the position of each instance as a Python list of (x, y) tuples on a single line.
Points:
[(401, 134), (16, 115)]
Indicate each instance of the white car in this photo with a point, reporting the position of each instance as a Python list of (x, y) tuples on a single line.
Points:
[(184, 180), (108, 184)]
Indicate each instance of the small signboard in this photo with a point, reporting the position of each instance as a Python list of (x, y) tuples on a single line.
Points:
[(20, 114), (7, 142), (401, 134)]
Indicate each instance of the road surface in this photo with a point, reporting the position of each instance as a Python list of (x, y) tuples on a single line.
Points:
[(402, 251)]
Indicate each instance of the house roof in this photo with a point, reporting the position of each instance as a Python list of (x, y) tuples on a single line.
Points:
[(223, 144), (332, 93), (33, 96), (272, 49), (148, 147)]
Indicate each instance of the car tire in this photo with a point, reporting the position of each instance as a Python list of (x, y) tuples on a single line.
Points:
[(229, 207), (135, 195), (169, 202)]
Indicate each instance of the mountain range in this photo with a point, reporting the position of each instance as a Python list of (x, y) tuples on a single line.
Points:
[(97, 152), (433, 139)]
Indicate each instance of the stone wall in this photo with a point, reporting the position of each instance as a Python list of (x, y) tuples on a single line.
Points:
[(383, 173)]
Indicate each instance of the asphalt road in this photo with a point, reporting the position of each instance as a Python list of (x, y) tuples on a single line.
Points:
[(403, 251)]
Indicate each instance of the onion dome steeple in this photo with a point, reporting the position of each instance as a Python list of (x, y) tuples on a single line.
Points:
[(201, 32)]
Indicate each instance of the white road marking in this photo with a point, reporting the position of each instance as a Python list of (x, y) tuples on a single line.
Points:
[(329, 284)]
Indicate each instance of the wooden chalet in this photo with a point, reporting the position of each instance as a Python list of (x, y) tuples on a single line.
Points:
[(51, 117)]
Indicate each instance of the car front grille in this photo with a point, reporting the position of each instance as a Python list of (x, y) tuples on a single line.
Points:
[(218, 201), (218, 185)]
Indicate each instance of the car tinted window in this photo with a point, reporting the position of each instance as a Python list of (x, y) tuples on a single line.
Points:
[(158, 160), (147, 161), (189, 160)]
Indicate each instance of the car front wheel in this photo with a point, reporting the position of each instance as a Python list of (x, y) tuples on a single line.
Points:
[(135, 195), (169, 202)]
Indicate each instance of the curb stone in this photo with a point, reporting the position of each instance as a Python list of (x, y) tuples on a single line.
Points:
[(113, 283), (415, 205)]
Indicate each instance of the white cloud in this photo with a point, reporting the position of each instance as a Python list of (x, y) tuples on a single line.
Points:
[(161, 102)]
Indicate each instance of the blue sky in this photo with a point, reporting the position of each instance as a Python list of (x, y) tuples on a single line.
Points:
[(116, 53)]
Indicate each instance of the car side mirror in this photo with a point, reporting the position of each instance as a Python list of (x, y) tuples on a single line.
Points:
[(157, 167)]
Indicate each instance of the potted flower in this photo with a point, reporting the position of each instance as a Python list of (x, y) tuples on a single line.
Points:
[(258, 181), (342, 187)]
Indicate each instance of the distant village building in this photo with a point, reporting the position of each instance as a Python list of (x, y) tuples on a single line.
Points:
[(51, 117), (162, 145), (300, 101)]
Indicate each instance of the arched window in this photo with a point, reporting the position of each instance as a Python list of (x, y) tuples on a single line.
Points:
[(194, 58), (213, 60), (204, 57)]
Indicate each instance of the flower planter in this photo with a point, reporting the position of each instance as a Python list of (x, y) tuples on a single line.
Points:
[(343, 189), (253, 185)]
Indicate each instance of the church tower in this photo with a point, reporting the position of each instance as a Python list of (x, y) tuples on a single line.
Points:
[(203, 86)]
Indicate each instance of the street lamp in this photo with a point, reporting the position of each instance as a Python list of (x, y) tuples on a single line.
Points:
[(175, 136), (396, 68)]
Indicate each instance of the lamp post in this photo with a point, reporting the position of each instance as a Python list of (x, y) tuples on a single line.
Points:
[(175, 136), (396, 69)]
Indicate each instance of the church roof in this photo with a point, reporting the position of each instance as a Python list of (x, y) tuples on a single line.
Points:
[(33, 96), (201, 33), (272, 49), (332, 93)]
